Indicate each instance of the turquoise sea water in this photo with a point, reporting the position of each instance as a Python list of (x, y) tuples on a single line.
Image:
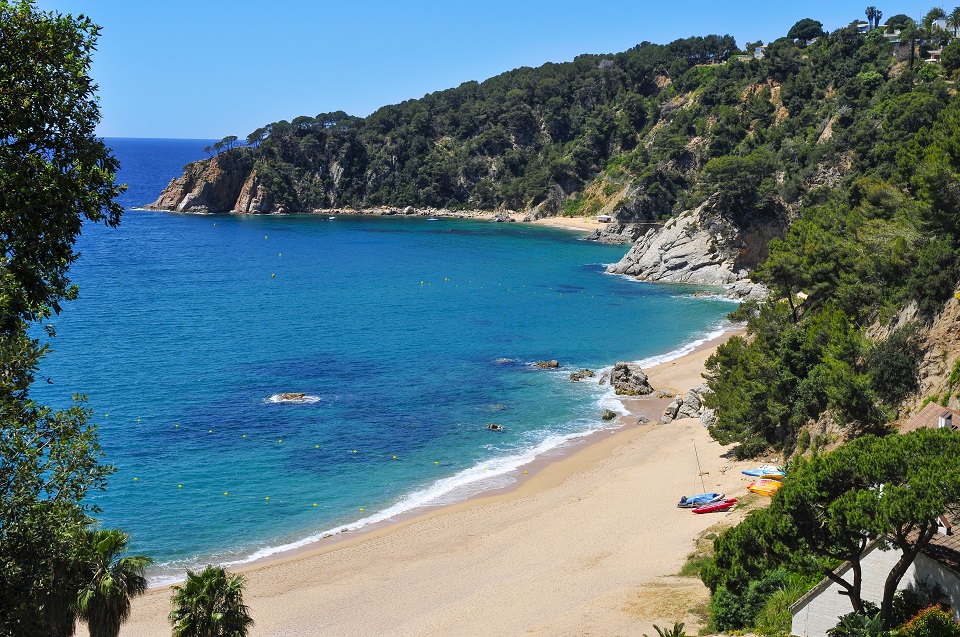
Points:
[(408, 336)]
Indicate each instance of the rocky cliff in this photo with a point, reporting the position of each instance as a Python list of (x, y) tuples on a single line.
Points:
[(701, 246), (226, 182)]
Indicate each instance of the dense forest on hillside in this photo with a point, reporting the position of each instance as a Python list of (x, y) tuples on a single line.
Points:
[(851, 139)]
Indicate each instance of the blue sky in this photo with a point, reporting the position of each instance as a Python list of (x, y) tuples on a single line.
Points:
[(211, 68)]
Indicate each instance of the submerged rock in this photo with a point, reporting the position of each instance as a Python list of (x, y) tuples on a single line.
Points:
[(291, 396), (628, 379), (583, 374)]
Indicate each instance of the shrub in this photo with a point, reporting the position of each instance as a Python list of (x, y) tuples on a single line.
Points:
[(932, 622)]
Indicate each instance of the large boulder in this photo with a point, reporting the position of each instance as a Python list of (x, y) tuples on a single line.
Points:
[(553, 364), (628, 379), (671, 411)]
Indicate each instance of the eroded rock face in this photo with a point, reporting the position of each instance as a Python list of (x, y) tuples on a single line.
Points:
[(214, 185), (700, 246), (628, 379)]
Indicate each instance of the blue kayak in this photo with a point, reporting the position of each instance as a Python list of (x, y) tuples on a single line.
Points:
[(762, 470), (690, 502)]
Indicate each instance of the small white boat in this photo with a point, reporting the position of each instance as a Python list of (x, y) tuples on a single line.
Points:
[(432, 219), (331, 218)]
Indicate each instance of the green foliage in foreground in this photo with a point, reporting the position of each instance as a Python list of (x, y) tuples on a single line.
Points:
[(831, 509), (210, 604), (54, 174)]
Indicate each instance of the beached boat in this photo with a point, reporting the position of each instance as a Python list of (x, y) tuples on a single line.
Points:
[(493, 427), (722, 505), (689, 502), (761, 470), (765, 487)]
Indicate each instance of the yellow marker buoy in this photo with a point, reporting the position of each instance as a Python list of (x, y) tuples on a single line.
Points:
[(264, 236), (106, 415), (314, 504), (394, 457), (138, 420), (225, 493), (316, 446), (136, 479), (281, 440), (361, 509), (176, 426), (524, 473), (179, 486), (210, 432), (437, 462), (267, 498), (244, 435), (273, 276)]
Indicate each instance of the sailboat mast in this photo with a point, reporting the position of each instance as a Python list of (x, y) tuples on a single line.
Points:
[(699, 470)]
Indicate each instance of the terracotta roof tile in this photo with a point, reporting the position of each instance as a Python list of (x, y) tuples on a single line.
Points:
[(929, 417)]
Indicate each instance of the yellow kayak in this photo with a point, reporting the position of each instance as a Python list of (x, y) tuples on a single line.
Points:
[(765, 487), (772, 476)]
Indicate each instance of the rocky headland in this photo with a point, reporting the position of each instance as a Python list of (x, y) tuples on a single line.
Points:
[(704, 247)]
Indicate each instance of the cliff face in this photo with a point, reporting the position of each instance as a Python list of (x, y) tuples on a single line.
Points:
[(226, 182), (701, 246)]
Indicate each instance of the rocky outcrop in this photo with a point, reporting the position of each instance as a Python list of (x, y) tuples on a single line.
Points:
[(690, 405), (220, 184), (607, 414), (701, 246), (552, 364), (628, 379), (583, 374)]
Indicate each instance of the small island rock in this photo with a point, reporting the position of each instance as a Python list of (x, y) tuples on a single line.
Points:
[(583, 374), (628, 379), (552, 364)]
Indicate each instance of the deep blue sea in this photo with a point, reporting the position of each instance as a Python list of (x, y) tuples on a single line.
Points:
[(407, 336)]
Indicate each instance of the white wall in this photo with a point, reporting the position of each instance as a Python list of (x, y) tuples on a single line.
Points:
[(816, 614)]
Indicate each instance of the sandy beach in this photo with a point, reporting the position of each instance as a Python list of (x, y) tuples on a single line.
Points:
[(589, 544)]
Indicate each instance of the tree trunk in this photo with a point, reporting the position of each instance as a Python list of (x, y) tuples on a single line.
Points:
[(907, 557)]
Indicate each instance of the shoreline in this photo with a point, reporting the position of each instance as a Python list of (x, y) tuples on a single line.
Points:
[(648, 407), (293, 571), (579, 224)]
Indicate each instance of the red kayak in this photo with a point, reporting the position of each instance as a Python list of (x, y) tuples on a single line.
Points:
[(723, 505)]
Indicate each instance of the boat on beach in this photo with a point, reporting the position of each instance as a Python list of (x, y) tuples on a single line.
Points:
[(693, 501), (765, 487), (722, 505), (763, 469)]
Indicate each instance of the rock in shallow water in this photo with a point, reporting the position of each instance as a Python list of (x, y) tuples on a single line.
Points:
[(583, 374), (553, 364), (608, 414)]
